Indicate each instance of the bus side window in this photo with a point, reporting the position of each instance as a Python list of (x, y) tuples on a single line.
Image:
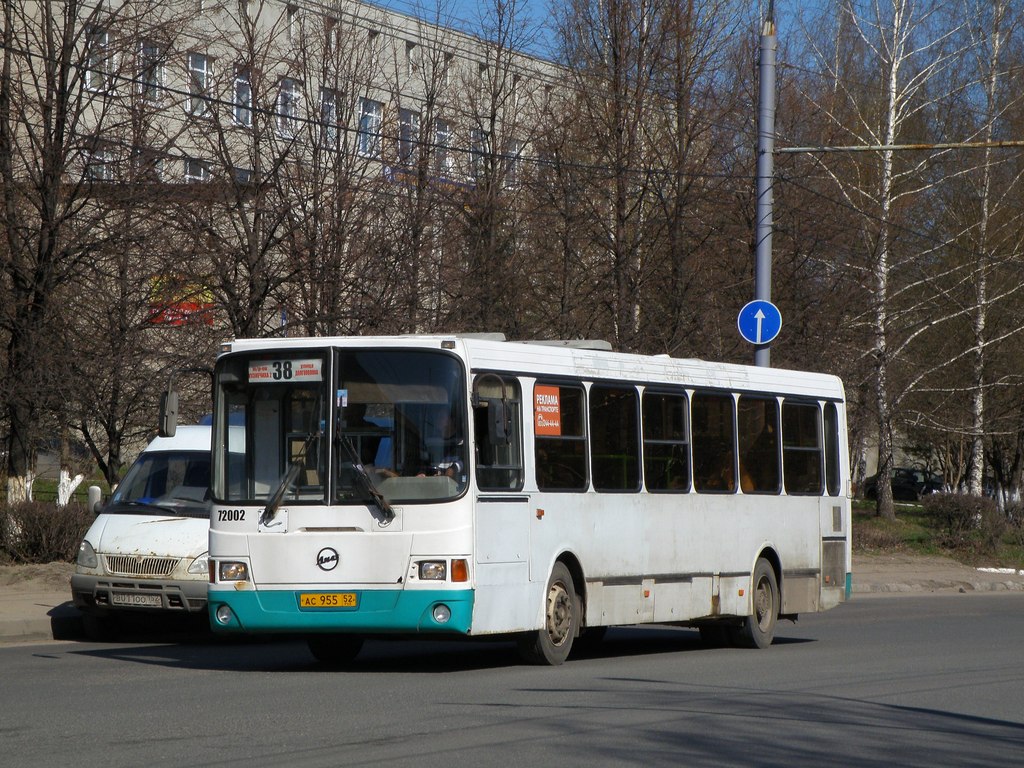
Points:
[(801, 447), (833, 482), (666, 444), (758, 422), (714, 440), (614, 438), (499, 462), (561, 442)]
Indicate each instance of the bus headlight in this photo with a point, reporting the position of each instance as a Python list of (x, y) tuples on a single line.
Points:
[(433, 570), (230, 570), (201, 565), (87, 555)]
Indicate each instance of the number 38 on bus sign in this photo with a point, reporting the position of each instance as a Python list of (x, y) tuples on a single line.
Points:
[(269, 371)]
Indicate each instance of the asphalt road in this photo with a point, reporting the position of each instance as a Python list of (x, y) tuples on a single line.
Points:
[(905, 681)]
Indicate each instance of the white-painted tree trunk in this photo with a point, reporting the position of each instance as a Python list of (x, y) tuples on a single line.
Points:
[(66, 486), (19, 489)]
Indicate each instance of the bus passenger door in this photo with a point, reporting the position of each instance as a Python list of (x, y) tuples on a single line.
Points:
[(501, 521), (502, 550)]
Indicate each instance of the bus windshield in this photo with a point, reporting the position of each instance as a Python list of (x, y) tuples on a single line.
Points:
[(401, 414), (388, 423)]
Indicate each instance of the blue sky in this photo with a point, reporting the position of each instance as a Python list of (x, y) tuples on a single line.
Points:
[(466, 14)]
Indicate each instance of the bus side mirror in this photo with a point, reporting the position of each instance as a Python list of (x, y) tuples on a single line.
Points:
[(94, 499), (168, 413), (499, 421)]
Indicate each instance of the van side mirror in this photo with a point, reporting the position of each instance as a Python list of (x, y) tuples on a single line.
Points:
[(168, 413), (94, 499)]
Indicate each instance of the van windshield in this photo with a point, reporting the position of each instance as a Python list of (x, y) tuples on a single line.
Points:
[(175, 482)]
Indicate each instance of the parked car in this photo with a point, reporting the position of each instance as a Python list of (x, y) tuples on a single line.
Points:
[(146, 552), (908, 484)]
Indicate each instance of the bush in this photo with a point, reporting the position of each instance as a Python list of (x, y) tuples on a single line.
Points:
[(41, 532), (966, 522)]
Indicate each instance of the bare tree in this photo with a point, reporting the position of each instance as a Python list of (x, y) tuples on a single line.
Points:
[(62, 87)]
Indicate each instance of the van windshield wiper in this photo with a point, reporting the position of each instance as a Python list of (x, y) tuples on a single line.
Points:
[(363, 479)]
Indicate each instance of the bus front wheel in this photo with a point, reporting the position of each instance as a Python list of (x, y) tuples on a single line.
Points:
[(551, 644), (758, 629), (335, 650)]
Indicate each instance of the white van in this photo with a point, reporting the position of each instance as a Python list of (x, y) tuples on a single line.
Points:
[(147, 550)]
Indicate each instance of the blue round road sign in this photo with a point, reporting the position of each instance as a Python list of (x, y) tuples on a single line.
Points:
[(759, 322)]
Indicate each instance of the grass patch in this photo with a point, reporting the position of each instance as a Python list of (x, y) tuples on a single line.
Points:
[(966, 529)]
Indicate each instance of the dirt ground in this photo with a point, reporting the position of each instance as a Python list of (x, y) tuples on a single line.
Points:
[(46, 576)]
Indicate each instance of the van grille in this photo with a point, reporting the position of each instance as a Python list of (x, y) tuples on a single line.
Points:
[(132, 565)]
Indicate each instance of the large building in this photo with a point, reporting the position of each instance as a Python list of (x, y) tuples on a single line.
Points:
[(217, 86)]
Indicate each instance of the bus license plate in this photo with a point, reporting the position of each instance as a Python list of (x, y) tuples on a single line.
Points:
[(136, 601), (328, 600)]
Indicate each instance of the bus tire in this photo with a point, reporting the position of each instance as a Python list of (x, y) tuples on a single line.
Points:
[(335, 650), (551, 644), (758, 629)]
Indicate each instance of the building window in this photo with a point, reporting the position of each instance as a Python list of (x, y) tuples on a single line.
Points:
[(99, 165), (513, 161), (243, 176), (443, 162), (477, 154), (408, 136), (328, 117), (412, 63), (151, 71), (199, 71), (243, 97), (147, 165), (99, 60), (449, 65), (332, 36), (196, 170), (292, 21), (370, 117), (288, 107)]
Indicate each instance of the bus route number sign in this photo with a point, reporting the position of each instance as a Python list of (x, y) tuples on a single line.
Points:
[(273, 371)]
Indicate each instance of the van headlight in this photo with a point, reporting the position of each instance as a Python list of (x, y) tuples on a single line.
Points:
[(201, 565), (87, 556)]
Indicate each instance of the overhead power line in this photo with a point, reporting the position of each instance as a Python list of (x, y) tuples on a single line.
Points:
[(923, 147)]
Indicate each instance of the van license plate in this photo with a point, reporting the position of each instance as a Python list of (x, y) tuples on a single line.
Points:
[(328, 600), (136, 601)]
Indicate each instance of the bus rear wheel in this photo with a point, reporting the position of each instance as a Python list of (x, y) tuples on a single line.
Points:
[(551, 644), (758, 629), (335, 650)]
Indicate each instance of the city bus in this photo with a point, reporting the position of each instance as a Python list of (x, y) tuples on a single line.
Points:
[(469, 486)]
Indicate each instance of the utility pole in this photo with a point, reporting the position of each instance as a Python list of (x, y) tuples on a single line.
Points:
[(765, 172)]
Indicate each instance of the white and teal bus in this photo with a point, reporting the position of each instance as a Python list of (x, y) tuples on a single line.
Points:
[(472, 486)]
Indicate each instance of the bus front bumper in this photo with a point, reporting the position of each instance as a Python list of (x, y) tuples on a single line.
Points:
[(375, 611)]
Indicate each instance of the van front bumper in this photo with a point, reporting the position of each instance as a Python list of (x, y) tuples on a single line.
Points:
[(101, 595)]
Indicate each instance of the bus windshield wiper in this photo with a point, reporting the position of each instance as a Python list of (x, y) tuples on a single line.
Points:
[(278, 495), (364, 479), (287, 479)]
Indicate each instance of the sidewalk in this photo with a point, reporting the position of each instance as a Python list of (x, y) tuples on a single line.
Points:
[(35, 601)]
